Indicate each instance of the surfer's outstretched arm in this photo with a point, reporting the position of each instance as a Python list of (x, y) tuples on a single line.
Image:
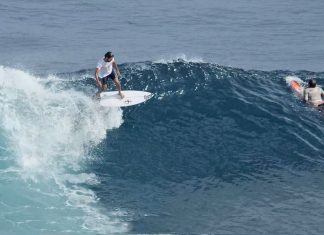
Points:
[(116, 68)]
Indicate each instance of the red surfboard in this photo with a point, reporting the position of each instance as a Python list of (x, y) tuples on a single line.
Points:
[(296, 87)]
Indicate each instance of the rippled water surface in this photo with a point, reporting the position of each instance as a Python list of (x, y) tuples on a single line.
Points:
[(224, 146)]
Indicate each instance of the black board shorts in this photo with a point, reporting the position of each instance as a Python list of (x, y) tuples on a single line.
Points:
[(104, 80)]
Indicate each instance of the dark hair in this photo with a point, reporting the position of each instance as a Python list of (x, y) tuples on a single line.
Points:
[(109, 54), (312, 83)]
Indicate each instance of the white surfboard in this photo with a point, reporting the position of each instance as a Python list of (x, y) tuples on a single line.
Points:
[(113, 99)]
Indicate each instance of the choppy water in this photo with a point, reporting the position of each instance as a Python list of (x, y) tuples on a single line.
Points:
[(218, 149)]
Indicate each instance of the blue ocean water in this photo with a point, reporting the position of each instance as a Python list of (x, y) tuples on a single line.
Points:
[(223, 147)]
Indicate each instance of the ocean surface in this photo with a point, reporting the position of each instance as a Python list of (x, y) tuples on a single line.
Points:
[(223, 147)]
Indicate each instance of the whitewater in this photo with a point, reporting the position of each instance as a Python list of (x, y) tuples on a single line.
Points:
[(46, 133)]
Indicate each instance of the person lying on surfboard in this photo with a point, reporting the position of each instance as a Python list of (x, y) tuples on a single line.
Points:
[(314, 94), (104, 71)]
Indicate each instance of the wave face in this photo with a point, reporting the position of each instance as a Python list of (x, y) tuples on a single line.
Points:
[(217, 149)]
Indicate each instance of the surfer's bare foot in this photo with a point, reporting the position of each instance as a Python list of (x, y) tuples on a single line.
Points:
[(122, 95)]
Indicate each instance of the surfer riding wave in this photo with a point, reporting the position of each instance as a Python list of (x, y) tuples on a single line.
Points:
[(105, 71)]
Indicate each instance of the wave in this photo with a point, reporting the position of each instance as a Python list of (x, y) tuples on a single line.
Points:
[(204, 121)]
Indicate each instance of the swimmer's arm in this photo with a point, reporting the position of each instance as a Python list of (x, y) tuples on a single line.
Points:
[(305, 95)]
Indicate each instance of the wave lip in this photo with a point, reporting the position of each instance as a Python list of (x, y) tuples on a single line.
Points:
[(179, 58)]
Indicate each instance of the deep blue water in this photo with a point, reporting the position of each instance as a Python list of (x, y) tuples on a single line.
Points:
[(218, 149)]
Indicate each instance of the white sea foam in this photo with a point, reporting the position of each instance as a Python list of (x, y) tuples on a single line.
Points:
[(49, 132), (179, 57), (291, 78)]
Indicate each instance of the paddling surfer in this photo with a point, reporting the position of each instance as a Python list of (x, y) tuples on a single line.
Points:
[(314, 94), (105, 71)]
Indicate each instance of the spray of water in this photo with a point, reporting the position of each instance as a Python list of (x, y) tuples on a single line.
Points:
[(49, 132)]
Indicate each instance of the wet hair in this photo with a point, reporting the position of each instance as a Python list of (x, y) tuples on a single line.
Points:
[(109, 54), (312, 83)]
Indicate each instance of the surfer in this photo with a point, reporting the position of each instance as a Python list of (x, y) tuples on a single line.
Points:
[(314, 94), (105, 71)]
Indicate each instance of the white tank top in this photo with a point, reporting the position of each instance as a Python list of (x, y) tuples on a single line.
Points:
[(105, 67), (313, 94)]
